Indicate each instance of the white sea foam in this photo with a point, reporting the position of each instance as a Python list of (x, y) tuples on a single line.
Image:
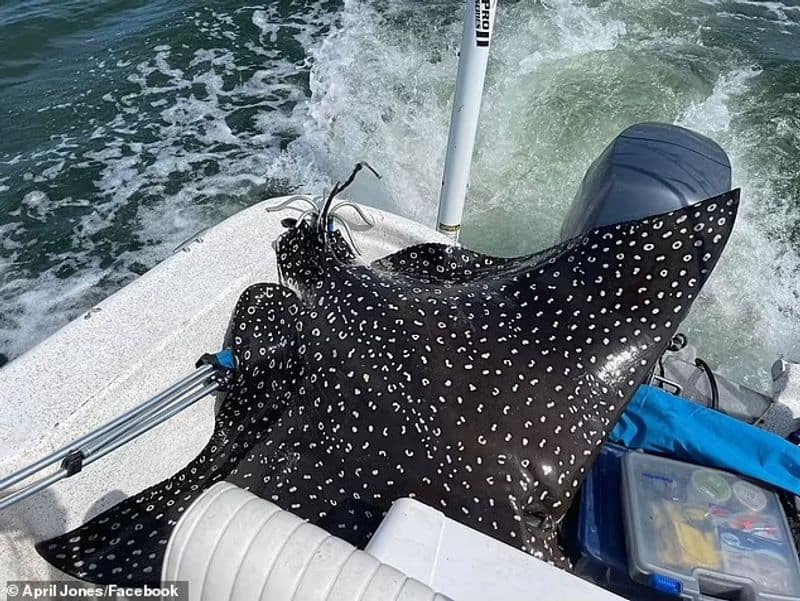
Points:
[(713, 114), (33, 205), (749, 314), (177, 168), (570, 29)]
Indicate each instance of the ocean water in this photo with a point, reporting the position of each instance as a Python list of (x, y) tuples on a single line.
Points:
[(126, 126)]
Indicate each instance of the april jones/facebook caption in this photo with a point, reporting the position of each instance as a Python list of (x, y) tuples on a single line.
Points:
[(71, 590)]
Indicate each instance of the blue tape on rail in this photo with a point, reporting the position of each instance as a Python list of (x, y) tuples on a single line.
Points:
[(226, 359)]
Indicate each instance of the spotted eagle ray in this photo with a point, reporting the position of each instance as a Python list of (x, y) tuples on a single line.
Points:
[(482, 386)]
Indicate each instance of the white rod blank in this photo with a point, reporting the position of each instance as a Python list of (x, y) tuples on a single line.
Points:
[(475, 43)]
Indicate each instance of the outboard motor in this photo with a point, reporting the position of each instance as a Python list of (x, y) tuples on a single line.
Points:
[(649, 169)]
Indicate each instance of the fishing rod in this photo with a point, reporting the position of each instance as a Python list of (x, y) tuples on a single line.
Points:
[(473, 59), (214, 372)]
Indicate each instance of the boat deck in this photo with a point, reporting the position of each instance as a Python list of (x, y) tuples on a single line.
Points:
[(125, 350)]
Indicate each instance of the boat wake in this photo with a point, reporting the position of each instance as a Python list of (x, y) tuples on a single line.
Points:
[(207, 110)]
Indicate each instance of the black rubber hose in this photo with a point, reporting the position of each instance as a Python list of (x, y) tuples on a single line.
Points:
[(712, 381)]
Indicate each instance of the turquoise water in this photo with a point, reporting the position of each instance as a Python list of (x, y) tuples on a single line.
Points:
[(127, 126)]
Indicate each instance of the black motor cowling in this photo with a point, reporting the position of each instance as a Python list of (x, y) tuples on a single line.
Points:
[(649, 169)]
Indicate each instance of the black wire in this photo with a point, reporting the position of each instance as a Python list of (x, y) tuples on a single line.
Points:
[(712, 381), (341, 187), (322, 220)]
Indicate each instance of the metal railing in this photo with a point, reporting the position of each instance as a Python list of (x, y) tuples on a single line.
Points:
[(211, 376)]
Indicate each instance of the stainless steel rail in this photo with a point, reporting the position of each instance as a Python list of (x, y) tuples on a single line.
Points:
[(110, 436)]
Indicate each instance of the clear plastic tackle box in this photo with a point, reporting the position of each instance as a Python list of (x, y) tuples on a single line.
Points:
[(701, 533)]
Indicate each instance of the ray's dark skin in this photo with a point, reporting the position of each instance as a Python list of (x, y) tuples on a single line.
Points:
[(483, 387)]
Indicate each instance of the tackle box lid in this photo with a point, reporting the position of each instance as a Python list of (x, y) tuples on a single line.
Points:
[(702, 533)]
